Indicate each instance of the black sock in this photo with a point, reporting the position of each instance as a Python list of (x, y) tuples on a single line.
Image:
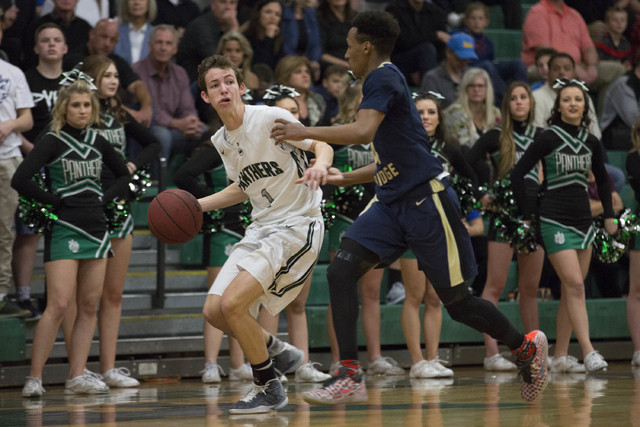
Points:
[(263, 372)]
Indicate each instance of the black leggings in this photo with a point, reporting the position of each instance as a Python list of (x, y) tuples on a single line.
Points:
[(353, 260)]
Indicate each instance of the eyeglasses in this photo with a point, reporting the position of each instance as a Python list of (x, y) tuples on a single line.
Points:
[(479, 86)]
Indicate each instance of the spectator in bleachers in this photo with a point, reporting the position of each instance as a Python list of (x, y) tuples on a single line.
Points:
[(543, 55), (633, 300), (334, 18), (266, 78), (296, 72), (445, 78), (15, 117), (175, 121), (511, 11), (476, 19), (552, 23), (301, 33), (423, 32), (614, 46), (236, 47), (265, 33), (102, 40), (562, 66), (134, 30), (334, 82), (178, 13), (14, 32), (76, 30), (202, 35), (473, 113), (90, 10), (593, 13), (43, 81), (620, 111)]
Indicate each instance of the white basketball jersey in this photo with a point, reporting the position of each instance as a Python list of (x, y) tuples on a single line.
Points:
[(267, 171)]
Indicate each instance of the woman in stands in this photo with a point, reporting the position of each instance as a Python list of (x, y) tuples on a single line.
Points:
[(505, 146), (265, 32), (116, 126), (567, 152), (237, 48), (473, 113), (135, 20), (334, 17), (77, 244), (295, 71)]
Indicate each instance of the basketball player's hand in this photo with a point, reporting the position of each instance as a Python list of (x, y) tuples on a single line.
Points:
[(611, 225), (288, 131), (314, 176)]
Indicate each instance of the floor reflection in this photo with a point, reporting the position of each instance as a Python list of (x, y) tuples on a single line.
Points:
[(472, 397)]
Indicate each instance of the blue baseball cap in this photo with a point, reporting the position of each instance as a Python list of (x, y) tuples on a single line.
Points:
[(463, 46)]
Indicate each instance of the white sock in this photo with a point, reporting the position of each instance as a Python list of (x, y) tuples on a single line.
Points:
[(24, 293)]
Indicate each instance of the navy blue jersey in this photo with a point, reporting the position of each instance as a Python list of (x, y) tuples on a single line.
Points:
[(400, 146)]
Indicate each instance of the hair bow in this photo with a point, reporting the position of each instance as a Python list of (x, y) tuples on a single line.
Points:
[(276, 91), (70, 77), (560, 83)]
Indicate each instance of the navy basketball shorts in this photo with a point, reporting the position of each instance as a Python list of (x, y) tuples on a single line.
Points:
[(429, 223)]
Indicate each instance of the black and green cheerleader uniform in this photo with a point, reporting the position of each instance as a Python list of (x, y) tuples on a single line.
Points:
[(73, 162), (523, 136), (567, 152), (117, 133)]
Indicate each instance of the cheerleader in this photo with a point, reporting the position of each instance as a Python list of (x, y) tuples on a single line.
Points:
[(77, 244), (505, 146), (568, 152), (418, 287), (116, 126)]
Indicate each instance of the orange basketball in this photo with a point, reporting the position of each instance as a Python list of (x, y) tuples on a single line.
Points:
[(174, 216)]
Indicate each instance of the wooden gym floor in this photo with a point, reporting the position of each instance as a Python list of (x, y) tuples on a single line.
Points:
[(472, 398)]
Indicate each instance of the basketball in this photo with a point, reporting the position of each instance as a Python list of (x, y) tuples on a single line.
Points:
[(174, 216)]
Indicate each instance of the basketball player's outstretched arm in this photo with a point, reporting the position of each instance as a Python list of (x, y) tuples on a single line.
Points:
[(230, 196), (359, 132)]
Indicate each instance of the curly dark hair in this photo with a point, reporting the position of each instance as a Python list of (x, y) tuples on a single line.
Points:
[(378, 27)]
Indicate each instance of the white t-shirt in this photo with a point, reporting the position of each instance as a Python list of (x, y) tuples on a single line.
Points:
[(14, 94), (267, 171)]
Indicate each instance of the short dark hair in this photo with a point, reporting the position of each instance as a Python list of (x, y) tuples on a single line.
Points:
[(216, 61), (562, 55), (378, 27), (544, 51), (46, 25)]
